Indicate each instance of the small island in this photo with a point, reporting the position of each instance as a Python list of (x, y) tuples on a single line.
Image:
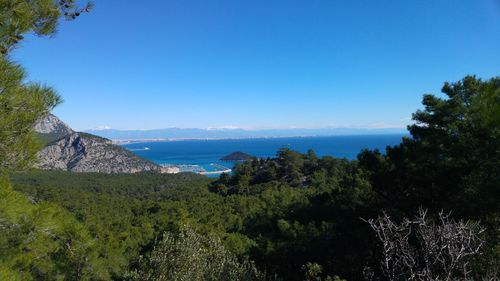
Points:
[(237, 156)]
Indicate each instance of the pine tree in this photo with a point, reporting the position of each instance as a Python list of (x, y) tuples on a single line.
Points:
[(37, 241), (22, 104)]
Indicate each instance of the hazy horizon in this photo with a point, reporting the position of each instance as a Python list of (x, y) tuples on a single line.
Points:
[(238, 133), (231, 127)]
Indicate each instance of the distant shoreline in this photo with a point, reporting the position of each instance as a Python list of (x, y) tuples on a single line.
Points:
[(133, 141)]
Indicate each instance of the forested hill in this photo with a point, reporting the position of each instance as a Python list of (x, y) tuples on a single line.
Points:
[(237, 156), (299, 216), (68, 150)]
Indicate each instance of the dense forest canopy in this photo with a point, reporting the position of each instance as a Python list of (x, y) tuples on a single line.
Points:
[(292, 217), (297, 215)]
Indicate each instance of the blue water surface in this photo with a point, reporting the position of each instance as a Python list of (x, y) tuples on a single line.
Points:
[(206, 152)]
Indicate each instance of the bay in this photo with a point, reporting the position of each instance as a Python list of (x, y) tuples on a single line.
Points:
[(194, 154)]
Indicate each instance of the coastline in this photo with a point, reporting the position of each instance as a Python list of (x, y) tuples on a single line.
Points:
[(199, 155), (135, 141)]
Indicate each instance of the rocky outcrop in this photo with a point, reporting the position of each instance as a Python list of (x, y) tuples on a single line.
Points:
[(51, 128), (82, 152)]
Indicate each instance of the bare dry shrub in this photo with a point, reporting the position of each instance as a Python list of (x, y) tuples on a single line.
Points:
[(422, 249)]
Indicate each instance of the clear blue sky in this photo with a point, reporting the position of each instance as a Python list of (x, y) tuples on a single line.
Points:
[(261, 64)]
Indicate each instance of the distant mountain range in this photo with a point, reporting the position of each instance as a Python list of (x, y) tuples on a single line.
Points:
[(195, 133)]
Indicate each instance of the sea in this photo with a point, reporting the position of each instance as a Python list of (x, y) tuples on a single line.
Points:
[(205, 155)]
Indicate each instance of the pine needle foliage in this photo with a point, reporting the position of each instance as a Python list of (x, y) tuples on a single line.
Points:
[(43, 241), (38, 241), (22, 104)]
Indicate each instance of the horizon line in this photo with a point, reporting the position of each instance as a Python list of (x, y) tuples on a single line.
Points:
[(234, 128), (147, 140)]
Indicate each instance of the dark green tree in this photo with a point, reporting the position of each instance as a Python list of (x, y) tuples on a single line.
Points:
[(38, 241), (43, 242), (22, 104), (451, 160)]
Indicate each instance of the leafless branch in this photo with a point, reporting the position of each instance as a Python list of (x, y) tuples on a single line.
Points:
[(422, 249)]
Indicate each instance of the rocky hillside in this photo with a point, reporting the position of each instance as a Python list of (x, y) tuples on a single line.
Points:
[(81, 152), (51, 128)]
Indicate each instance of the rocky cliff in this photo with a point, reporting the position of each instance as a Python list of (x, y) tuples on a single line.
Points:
[(81, 152), (51, 128)]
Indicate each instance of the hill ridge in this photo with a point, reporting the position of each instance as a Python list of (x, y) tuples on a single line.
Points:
[(68, 150)]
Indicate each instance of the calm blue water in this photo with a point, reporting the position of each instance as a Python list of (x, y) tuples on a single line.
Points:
[(205, 152)]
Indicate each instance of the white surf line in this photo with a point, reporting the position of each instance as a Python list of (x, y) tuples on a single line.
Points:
[(215, 172)]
